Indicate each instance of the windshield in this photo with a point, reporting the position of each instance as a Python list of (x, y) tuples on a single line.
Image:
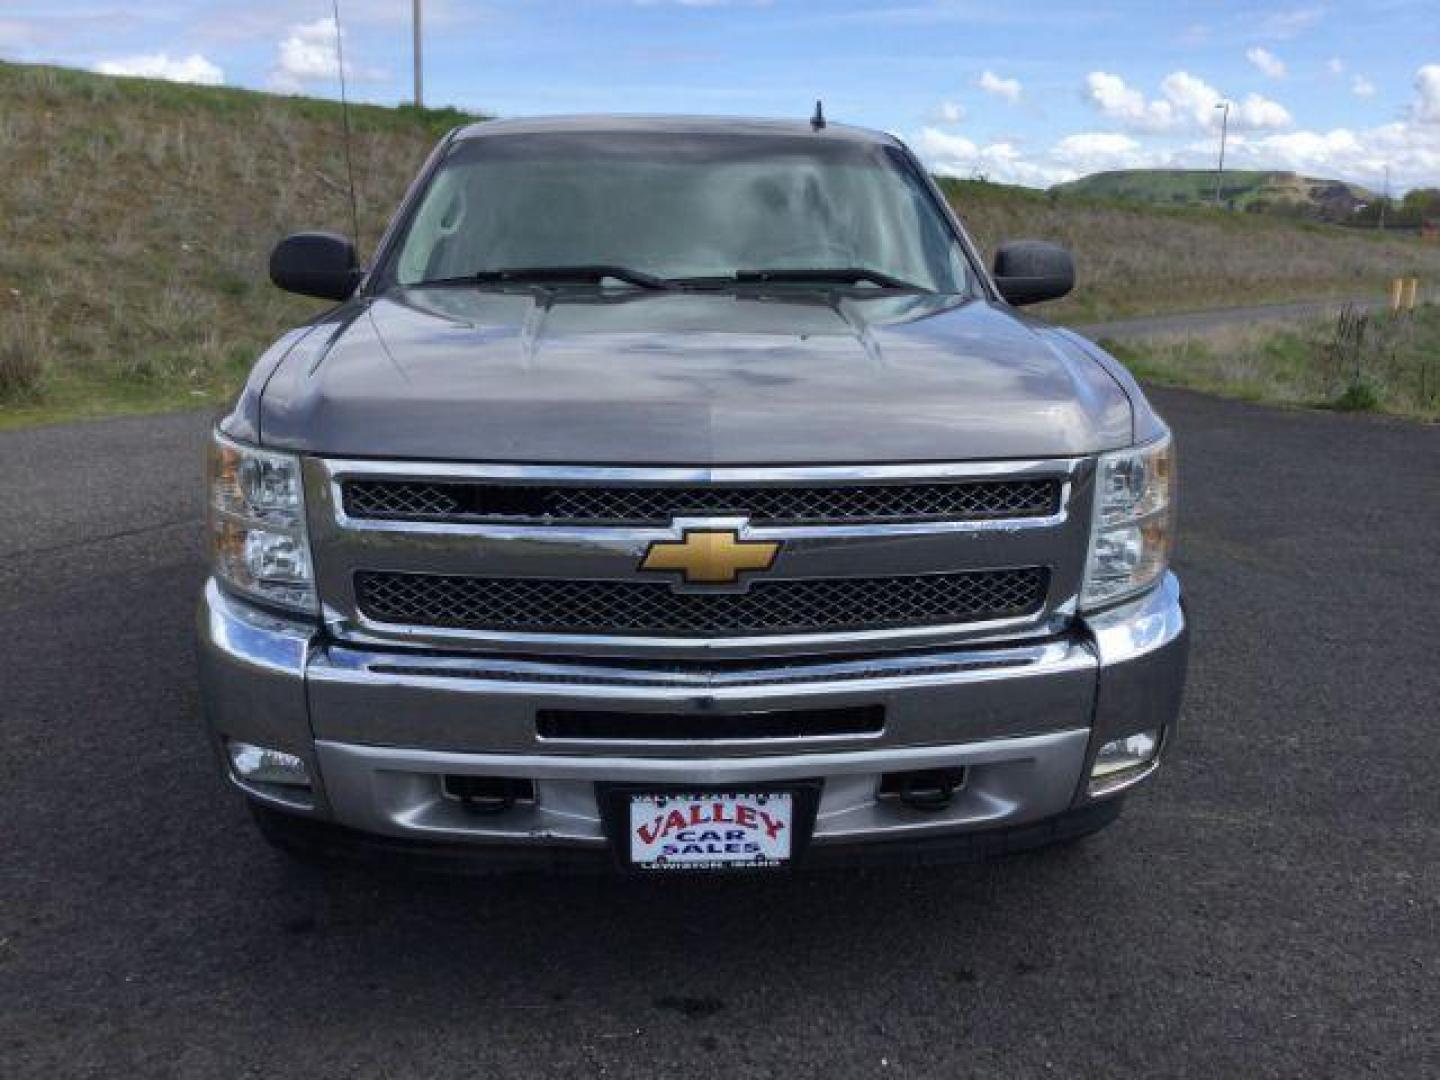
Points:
[(707, 207)]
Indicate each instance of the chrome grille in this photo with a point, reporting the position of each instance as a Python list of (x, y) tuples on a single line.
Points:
[(426, 500), (793, 606)]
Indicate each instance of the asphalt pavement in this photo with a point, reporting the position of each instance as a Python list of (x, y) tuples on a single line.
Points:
[(1269, 908)]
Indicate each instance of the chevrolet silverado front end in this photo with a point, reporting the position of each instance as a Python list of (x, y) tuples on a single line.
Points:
[(683, 494)]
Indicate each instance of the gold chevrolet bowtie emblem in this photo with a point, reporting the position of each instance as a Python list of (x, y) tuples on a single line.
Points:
[(710, 556)]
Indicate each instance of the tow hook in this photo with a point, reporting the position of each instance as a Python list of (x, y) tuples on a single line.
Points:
[(488, 794), (923, 789)]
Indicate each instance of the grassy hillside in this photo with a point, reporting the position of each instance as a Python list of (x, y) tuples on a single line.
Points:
[(1283, 193), (1134, 259), (138, 217)]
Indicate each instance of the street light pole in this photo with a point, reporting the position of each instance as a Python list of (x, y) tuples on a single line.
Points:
[(1384, 201), (1224, 106), (419, 65)]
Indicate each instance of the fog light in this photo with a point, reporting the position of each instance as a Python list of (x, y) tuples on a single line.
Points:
[(261, 765), (1122, 761)]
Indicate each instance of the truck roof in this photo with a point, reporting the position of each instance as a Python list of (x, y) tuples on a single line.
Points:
[(678, 125)]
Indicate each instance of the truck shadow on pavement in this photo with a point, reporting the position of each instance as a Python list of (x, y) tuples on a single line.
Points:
[(535, 941)]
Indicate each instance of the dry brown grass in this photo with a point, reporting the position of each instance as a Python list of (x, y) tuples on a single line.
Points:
[(1134, 259), (23, 352), (139, 218)]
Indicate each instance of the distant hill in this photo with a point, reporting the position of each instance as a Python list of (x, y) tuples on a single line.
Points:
[(1284, 194)]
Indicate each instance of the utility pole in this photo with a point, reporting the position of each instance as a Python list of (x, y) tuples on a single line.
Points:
[(419, 64), (1384, 201), (1224, 129)]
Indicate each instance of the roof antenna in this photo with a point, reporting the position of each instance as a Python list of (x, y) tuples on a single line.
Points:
[(817, 122), (345, 119)]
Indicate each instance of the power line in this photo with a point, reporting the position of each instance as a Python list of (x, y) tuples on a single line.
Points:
[(345, 121)]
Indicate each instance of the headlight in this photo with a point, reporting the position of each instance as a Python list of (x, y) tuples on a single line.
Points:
[(1134, 523), (257, 525)]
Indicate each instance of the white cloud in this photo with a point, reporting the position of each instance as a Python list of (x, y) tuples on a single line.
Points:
[(1335, 66), (1110, 94), (1409, 147), (1266, 62), (944, 148), (1360, 86), (1096, 142), (1411, 153), (1009, 89), (189, 69), (306, 54), (1319, 148), (1185, 101), (949, 154), (1096, 151), (1195, 100), (1426, 109), (950, 112), (1258, 113), (1192, 99)]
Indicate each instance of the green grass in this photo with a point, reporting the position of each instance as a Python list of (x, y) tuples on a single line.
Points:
[(1178, 186), (67, 87), (138, 218), (71, 397), (1380, 363)]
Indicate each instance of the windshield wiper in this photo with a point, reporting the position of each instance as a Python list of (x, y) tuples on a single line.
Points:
[(825, 275), (829, 275), (553, 275)]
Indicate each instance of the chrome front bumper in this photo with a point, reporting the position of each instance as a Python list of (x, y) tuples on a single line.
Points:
[(379, 729)]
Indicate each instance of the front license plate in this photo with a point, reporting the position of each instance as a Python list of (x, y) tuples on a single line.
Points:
[(711, 831)]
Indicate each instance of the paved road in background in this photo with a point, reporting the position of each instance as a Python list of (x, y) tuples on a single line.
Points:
[(1270, 908), (1199, 322)]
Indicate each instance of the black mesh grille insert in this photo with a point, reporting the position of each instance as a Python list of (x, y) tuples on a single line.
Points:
[(787, 724), (968, 500), (534, 605)]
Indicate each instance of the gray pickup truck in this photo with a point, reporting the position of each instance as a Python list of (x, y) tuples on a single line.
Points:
[(684, 494)]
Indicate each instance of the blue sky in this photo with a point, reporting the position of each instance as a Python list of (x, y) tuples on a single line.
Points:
[(1020, 92)]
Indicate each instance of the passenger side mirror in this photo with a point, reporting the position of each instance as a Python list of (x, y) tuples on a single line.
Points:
[(1029, 271), (316, 264)]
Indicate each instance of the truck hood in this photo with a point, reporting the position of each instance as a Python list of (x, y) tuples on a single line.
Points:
[(688, 379)]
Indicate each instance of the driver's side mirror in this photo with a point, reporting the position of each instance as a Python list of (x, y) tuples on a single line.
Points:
[(316, 264), (1029, 271)]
